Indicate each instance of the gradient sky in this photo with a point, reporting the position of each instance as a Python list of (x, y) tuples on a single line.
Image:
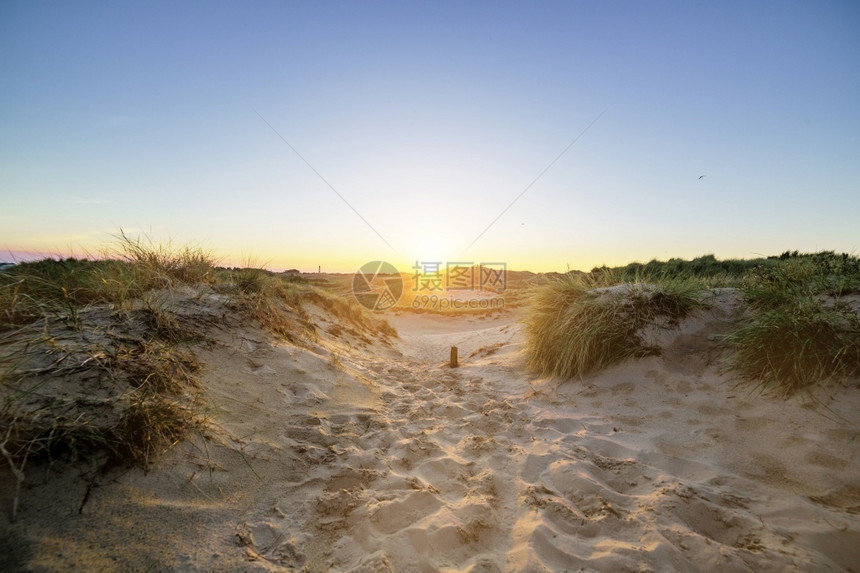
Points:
[(429, 118)]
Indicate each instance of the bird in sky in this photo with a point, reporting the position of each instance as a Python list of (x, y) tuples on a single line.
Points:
[(700, 176)]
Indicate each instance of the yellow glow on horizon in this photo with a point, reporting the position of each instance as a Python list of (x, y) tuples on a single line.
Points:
[(309, 256), (430, 248)]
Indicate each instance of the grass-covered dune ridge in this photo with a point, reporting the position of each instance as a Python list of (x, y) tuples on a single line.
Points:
[(31, 290), (802, 328), (98, 358)]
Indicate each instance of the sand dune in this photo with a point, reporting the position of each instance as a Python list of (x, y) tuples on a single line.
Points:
[(347, 456)]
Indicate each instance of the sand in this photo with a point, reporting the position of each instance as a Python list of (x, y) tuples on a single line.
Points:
[(350, 456)]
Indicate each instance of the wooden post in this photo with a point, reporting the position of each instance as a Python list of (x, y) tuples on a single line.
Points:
[(454, 363)]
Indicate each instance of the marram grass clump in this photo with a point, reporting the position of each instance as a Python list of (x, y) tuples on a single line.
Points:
[(803, 332), (271, 299), (797, 346), (65, 287), (577, 324)]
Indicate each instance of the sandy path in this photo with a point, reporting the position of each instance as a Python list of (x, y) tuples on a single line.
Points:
[(335, 457), (645, 467)]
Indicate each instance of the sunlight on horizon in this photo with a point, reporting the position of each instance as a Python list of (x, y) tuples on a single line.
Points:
[(274, 256)]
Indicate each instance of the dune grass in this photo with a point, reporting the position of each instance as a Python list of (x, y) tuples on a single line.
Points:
[(86, 369), (29, 291), (797, 345), (96, 355), (92, 363), (349, 311), (799, 277), (707, 268), (802, 332), (272, 300), (156, 265), (580, 323), (49, 320), (277, 302)]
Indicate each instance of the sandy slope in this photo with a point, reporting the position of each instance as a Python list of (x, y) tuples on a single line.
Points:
[(369, 458)]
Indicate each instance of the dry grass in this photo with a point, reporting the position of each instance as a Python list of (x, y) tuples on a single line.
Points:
[(66, 398), (151, 424), (97, 360), (349, 311), (30, 291), (155, 265), (272, 300), (91, 360), (577, 324)]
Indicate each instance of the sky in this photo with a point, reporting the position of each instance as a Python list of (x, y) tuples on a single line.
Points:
[(327, 134)]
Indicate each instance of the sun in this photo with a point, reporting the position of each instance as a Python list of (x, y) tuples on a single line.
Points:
[(431, 248)]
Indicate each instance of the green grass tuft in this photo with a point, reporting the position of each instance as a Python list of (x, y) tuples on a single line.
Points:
[(802, 332), (577, 324), (797, 346)]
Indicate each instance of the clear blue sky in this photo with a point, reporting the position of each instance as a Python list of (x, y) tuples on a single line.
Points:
[(429, 118)]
